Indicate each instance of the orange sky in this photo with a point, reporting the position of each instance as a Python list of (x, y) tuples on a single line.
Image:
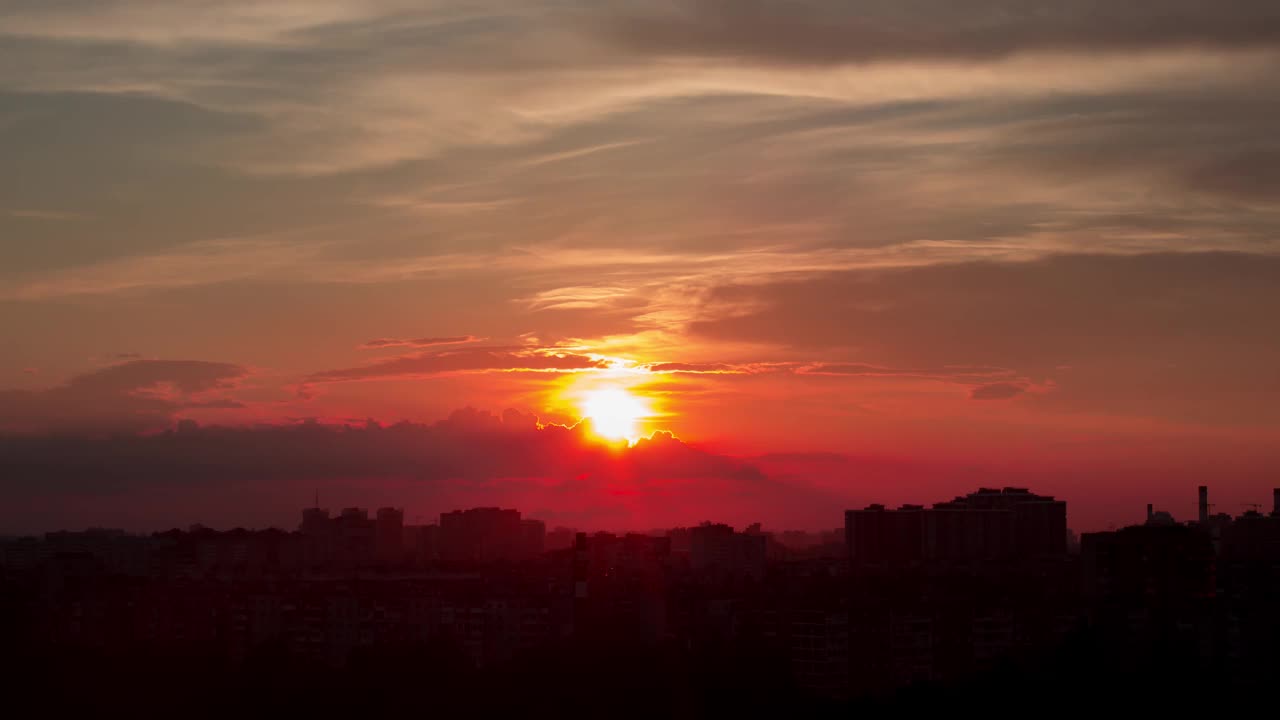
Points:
[(876, 250)]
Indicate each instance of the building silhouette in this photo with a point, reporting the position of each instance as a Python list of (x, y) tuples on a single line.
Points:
[(717, 546), (989, 525), (422, 544), (356, 535), (389, 536), (978, 593), (484, 535)]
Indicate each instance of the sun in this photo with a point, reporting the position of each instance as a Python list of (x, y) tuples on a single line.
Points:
[(614, 413)]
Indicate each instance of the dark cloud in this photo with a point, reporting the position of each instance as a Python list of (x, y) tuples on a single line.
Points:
[(418, 342), (63, 148), (275, 466), (565, 35), (997, 391), (954, 372), (1207, 140), (990, 313), (188, 376), (137, 395), (469, 360), (830, 31), (1190, 336), (1253, 175), (470, 444)]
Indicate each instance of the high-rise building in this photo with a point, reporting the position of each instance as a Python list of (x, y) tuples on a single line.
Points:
[(621, 582), (877, 535), (314, 520), (532, 537), (1148, 565), (317, 538), (983, 526), (480, 535), (718, 546), (422, 543), (559, 539), (354, 536), (389, 536)]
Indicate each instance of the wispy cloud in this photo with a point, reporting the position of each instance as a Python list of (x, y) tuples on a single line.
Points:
[(997, 391), (479, 359), (53, 215), (832, 32), (130, 396), (204, 263), (418, 342)]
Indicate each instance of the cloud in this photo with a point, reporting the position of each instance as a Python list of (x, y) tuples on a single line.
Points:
[(829, 31), (764, 180), (202, 263), (1253, 175), (132, 396), (54, 215), (980, 312), (694, 368), (1187, 336), (418, 342), (557, 33), (957, 373), (188, 376), (997, 391), (981, 380), (807, 164), (462, 459), (363, 85), (585, 297), (478, 359), (951, 372)]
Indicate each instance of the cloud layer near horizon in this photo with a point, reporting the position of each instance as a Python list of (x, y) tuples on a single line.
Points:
[(459, 459)]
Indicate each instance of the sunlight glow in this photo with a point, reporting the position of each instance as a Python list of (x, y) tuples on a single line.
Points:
[(614, 413)]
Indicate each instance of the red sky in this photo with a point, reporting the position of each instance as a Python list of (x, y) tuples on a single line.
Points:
[(846, 252)]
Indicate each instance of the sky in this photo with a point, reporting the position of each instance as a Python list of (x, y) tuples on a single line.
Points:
[(840, 252)]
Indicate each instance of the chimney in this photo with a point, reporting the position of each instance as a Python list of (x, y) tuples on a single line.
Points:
[(1150, 512), (1275, 502), (1204, 504)]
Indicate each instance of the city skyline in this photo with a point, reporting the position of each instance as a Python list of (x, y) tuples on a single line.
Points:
[(985, 526), (937, 604), (1203, 512)]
